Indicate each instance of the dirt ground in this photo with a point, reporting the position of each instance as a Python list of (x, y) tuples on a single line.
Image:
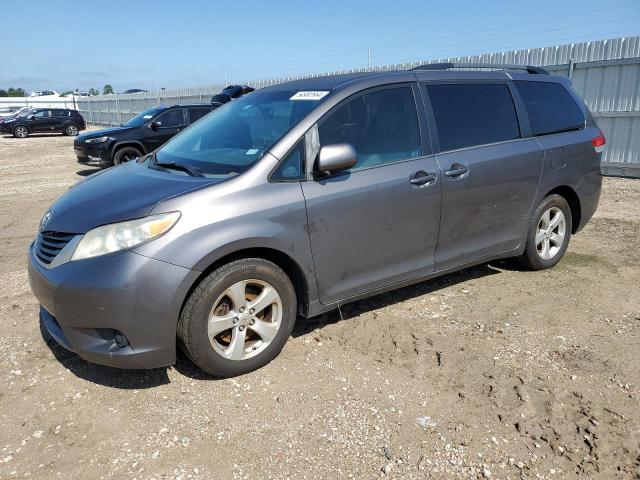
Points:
[(489, 372)]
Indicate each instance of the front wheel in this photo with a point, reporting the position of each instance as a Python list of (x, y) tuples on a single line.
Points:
[(549, 234), (238, 318), (21, 132), (126, 154)]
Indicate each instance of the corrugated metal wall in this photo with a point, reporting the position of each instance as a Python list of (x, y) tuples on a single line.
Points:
[(605, 73)]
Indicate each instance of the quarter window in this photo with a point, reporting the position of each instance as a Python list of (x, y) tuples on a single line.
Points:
[(473, 114), (550, 107), (382, 126), (292, 167), (197, 113)]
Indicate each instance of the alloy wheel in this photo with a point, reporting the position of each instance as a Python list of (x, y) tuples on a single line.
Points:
[(72, 130), (21, 132), (550, 233), (245, 319)]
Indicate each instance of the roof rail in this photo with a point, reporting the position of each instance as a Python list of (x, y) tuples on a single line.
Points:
[(495, 66)]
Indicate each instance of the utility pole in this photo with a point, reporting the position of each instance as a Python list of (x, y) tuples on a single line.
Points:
[(369, 59)]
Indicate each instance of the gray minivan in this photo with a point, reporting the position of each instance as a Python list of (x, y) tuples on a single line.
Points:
[(302, 196)]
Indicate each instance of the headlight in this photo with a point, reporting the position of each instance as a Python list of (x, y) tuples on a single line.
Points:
[(119, 236), (97, 139)]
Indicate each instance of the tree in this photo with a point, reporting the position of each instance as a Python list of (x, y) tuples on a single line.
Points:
[(93, 92), (107, 89), (3, 92), (15, 92)]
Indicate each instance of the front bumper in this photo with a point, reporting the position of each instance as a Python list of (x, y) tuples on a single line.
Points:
[(93, 154), (85, 303)]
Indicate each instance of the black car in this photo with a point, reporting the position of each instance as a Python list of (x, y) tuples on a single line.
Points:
[(45, 120), (231, 93), (142, 134)]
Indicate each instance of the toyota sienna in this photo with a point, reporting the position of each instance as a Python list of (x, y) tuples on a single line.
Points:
[(306, 195)]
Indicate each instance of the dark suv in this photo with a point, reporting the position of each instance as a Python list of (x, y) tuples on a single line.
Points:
[(45, 120), (142, 134)]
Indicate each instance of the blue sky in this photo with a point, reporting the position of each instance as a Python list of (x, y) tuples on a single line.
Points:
[(152, 44)]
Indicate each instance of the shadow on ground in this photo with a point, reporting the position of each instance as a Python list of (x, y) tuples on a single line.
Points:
[(33, 135), (87, 172), (351, 310)]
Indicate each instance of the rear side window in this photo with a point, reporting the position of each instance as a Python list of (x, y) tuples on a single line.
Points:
[(197, 113), (60, 113), (469, 115), (382, 126), (550, 107)]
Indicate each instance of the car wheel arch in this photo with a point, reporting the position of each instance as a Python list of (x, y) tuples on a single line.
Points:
[(572, 198), (278, 257), (127, 143)]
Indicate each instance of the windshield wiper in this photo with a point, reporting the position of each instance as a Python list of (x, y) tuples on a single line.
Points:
[(192, 171)]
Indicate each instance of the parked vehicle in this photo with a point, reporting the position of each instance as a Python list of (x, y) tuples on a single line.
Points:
[(45, 120), (231, 93), (135, 90), (140, 135), (303, 196), (45, 93), (8, 111)]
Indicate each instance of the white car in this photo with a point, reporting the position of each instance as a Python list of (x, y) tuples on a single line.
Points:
[(44, 93)]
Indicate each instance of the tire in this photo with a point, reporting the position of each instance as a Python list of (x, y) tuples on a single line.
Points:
[(125, 154), (21, 131), (71, 130), (219, 347), (548, 235)]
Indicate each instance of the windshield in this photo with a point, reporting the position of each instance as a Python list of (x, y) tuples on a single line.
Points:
[(24, 112), (139, 119), (232, 138)]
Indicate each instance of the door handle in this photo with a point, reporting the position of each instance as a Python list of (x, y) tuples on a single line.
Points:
[(456, 170), (422, 178)]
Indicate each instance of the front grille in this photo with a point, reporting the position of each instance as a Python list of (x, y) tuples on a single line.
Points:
[(49, 244)]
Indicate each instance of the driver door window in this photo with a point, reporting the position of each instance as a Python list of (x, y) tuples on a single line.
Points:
[(381, 125), (171, 119)]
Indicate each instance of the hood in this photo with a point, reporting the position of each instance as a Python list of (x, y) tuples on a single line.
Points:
[(102, 133), (117, 194)]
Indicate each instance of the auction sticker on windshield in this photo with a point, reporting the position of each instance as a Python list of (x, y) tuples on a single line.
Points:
[(309, 95)]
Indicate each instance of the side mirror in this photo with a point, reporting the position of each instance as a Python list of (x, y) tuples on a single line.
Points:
[(31, 117), (155, 125), (336, 157)]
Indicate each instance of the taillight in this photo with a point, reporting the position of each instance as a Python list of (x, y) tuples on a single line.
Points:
[(599, 142)]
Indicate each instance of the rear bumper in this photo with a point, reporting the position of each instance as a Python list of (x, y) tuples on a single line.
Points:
[(85, 304)]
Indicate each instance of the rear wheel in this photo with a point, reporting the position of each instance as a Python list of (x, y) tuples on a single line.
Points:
[(21, 132), (238, 318), (549, 234), (126, 154), (71, 130)]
